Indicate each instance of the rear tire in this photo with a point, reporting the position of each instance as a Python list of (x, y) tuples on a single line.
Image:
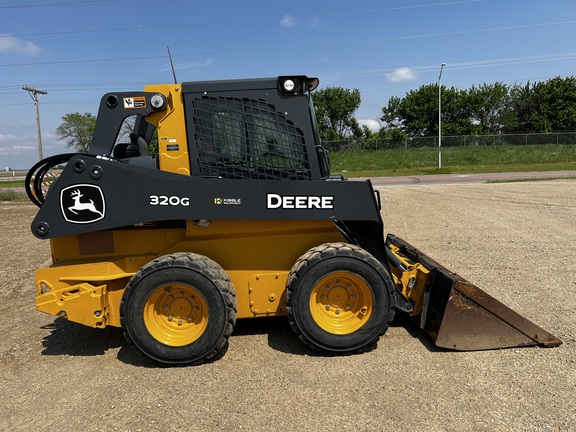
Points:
[(339, 298), (179, 309)]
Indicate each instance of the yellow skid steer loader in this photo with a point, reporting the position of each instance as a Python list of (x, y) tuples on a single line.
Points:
[(234, 214)]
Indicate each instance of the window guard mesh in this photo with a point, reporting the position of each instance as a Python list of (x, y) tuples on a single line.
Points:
[(247, 139)]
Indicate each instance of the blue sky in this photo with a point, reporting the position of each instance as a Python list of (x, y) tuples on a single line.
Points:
[(77, 50)]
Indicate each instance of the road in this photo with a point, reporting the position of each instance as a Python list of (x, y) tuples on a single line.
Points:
[(449, 179)]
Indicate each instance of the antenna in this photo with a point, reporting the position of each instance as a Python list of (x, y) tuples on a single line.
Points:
[(172, 66)]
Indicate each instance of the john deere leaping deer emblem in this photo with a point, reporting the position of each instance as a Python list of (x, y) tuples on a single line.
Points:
[(82, 203), (79, 206)]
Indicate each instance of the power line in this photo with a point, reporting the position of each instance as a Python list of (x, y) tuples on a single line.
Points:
[(219, 23), (240, 51), (59, 4), (361, 72)]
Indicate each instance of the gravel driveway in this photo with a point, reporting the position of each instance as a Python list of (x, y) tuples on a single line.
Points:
[(516, 241)]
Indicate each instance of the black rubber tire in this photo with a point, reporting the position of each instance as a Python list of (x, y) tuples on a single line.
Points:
[(305, 283), (194, 273)]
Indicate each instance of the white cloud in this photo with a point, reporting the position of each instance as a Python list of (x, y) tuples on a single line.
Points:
[(288, 21), (17, 149), (13, 45), (402, 74), (373, 125), (7, 137), (189, 65), (196, 64)]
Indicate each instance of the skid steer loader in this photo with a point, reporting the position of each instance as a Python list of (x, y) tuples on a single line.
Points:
[(236, 215)]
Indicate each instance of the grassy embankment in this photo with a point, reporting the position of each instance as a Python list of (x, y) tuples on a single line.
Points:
[(455, 160)]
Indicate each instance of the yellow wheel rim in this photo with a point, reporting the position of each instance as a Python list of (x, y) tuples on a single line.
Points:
[(341, 303), (176, 314)]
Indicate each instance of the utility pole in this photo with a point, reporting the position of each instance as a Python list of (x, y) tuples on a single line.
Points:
[(440, 116), (35, 94)]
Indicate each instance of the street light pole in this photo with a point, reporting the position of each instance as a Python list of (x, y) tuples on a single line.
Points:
[(35, 94), (440, 116)]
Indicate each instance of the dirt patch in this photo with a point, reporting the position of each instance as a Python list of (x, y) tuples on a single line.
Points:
[(515, 241)]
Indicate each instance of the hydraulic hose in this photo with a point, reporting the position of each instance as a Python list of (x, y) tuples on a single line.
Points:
[(36, 174)]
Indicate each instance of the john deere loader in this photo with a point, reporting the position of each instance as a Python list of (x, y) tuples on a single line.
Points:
[(235, 216)]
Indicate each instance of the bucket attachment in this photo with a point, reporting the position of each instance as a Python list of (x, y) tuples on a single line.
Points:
[(455, 313)]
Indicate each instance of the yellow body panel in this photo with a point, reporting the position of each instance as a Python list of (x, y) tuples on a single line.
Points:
[(171, 125), (90, 272)]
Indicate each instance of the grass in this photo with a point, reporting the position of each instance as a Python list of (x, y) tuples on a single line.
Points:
[(455, 160), (10, 195), (12, 183)]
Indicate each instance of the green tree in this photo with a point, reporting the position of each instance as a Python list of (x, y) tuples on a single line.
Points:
[(544, 106), (417, 113), (479, 110), (77, 130), (490, 106), (456, 113), (547, 106), (391, 114), (335, 108)]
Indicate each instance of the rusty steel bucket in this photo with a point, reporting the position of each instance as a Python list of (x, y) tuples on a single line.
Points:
[(460, 316)]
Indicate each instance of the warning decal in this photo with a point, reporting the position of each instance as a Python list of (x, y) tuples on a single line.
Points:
[(135, 102)]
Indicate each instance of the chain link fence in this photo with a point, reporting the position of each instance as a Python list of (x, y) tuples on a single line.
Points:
[(376, 143)]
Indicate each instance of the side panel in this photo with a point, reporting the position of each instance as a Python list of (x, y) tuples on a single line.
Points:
[(87, 281)]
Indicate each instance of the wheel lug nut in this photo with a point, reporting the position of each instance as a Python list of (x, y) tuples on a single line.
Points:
[(347, 307), (337, 283), (179, 322), (337, 311), (170, 317), (165, 307), (347, 287), (181, 294), (327, 307), (352, 297), (328, 287), (195, 309), (190, 319), (324, 297), (191, 298), (171, 298)]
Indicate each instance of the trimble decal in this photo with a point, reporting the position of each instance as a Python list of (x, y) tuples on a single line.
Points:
[(277, 201), (227, 201), (82, 203)]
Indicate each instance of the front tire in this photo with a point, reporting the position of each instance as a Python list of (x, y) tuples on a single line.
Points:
[(179, 309), (339, 298)]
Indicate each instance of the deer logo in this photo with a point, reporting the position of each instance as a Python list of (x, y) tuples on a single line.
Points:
[(79, 206), (83, 203)]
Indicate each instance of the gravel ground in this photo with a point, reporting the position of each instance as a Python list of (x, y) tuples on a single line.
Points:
[(516, 241)]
